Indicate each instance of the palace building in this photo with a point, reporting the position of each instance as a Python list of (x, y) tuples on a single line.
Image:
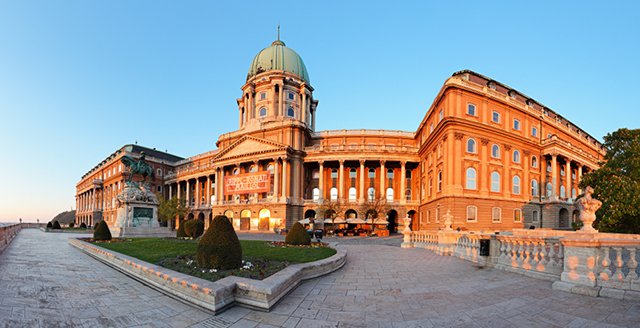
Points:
[(492, 157)]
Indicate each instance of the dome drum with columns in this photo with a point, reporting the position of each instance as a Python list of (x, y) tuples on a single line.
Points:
[(491, 156)]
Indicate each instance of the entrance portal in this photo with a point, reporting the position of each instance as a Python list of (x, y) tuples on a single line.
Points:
[(392, 217), (245, 220), (263, 223)]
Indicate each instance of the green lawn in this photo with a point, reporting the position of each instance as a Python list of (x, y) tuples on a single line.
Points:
[(153, 250)]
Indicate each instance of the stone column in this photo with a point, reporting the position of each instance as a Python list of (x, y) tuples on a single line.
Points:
[(321, 179), (208, 191), (313, 119), (341, 180), (554, 174), (567, 174), (383, 174), (276, 179), (484, 166), (178, 191), (303, 106), (197, 193), (457, 164), (220, 184), (579, 176), (281, 101), (170, 190), (403, 178), (284, 179), (274, 102), (250, 109), (240, 122), (188, 193), (506, 174), (361, 189)]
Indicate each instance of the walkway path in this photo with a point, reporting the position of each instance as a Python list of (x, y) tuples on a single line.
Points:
[(46, 282)]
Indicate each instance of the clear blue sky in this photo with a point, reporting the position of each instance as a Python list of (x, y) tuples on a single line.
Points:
[(79, 79)]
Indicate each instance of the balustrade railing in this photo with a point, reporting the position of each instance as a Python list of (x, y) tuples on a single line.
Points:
[(540, 256), (618, 267)]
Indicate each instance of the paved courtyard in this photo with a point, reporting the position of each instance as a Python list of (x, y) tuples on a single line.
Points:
[(45, 282)]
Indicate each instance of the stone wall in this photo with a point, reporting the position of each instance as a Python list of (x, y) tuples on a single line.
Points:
[(7, 233)]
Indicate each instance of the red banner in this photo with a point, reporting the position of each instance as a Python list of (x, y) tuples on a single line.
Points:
[(247, 183)]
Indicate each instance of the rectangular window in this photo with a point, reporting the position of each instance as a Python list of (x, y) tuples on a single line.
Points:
[(437, 214), (495, 117), (496, 214), (534, 131), (441, 115), (291, 96), (471, 109), (428, 216), (263, 96), (472, 213), (516, 124)]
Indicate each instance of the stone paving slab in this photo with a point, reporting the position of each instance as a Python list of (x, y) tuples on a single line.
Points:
[(45, 282)]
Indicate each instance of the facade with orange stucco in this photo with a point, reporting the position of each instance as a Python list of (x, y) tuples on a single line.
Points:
[(492, 157)]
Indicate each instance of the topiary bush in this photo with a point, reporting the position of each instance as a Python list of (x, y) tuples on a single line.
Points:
[(49, 225), (194, 228), (83, 225), (102, 231), (56, 225), (297, 235), (71, 225), (219, 248), (180, 233)]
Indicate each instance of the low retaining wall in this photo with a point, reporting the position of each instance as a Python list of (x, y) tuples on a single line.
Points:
[(7, 233), (219, 295), (594, 264)]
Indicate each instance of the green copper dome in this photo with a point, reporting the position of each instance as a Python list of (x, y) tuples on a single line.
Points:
[(278, 57)]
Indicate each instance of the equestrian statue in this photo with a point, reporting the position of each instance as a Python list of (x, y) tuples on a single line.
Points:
[(137, 167)]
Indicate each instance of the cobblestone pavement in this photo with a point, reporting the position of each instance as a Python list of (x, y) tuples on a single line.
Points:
[(44, 281)]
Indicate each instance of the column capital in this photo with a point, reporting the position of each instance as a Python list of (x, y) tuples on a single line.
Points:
[(506, 147), (484, 141), (341, 161), (362, 161), (526, 152), (458, 135), (403, 163), (382, 162)]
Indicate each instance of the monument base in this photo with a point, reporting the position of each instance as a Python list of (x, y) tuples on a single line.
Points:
[(134, 232)]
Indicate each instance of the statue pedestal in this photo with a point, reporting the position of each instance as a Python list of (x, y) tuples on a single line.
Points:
[(137, 214)]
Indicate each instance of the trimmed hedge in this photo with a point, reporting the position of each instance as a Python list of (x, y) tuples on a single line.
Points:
[(297, 235), (219, 248), (180, 233), (83, 225), (194, 228), (56, 225), (102, 231)]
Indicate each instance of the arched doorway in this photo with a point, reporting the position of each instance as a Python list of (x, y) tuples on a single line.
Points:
[(201, 217), (351, 214), (392, 217), (245, 220), (309, 214), (263, 223), (563, 218), (190, 216), (415, 225)]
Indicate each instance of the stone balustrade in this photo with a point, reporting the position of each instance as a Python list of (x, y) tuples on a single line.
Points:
[(595, 264), (7, 233)]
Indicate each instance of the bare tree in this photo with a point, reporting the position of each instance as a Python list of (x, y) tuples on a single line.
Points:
[(371, 209), (332, 208)]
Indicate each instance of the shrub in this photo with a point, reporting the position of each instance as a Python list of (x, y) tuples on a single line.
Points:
[(83, 225), (95, 225), (219, 248), (101, 231), (49, 225), (194, 228), (180, 233), (56, 225), (71, 225), (297, 235)]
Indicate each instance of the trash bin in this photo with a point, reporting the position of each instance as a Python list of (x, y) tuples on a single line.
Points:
[(484, 247), (318, 234)]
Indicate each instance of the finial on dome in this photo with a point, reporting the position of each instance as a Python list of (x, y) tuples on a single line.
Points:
[(278, 32), (278, 42)]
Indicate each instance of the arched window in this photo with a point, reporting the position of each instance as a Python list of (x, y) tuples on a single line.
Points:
[(472, 213), (471, 178), (534, 187), (439, 181), (253, 168), (334, 193), (263, 112), (352, 194), (291, 112), (534, 161), (516, 156), (517, 215), (515, 189), (549, 189), (371, 193), (389, 194), (563, 192), (471, 146), (495, 151), (496, 214), (236, 171), (316, 194), (495, 181)]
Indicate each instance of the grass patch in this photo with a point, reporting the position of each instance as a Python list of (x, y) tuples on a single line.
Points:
[(262, 258)]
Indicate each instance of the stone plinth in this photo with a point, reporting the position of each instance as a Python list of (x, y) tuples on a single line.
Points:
[(137, 214)]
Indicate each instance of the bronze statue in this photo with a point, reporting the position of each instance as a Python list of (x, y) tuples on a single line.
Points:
[(137, 167)]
